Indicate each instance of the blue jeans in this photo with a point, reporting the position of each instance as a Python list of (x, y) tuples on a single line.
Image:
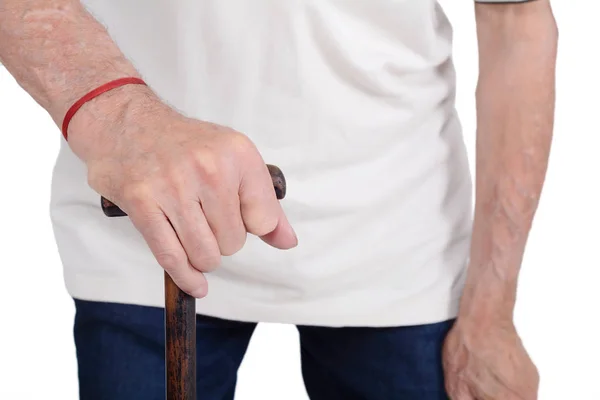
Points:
[(120, 352)]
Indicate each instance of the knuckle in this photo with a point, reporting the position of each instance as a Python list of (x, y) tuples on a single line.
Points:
[(240, 143), (234, 246), (265, 225), (210, 171), (208, 262), (207, 166), (172, 179), (170, 261), (135, 194)]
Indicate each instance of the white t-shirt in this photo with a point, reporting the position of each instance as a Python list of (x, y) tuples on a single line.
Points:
[(354, 100)]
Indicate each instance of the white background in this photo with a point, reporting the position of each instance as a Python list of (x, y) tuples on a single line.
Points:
[(559, 293)]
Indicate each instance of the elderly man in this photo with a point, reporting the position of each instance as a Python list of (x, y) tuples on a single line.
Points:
[(171, 109)]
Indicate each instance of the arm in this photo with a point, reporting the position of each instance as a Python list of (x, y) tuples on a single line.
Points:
[(515, 111), (58, 52), (515, 116)]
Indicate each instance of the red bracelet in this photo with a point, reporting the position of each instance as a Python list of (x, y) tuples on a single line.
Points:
[(95, 93)]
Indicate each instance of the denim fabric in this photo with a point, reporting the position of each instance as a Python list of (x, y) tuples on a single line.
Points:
[(120, 352)]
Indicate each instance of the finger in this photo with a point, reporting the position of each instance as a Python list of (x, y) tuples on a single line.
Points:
[(280, 236), (261, 212), (221, 208), (168, 251), (487, 387), (464, 395), (458, 390), (194, 233)]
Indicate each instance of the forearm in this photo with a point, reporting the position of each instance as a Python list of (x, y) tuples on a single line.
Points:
[(515, 113), (57, 51)]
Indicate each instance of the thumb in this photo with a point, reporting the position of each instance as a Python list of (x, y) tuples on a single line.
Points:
[(283, 236)]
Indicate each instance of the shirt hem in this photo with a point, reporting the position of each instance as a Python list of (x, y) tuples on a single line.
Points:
[(406, 312)]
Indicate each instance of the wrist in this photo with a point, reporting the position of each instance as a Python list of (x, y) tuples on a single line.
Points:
[(100, 121), (487, 298)]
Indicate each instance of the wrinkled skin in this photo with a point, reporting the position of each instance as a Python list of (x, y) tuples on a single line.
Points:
[(488, 363), (193, 189)]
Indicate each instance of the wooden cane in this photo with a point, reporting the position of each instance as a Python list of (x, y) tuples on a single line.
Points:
[(180, 318)]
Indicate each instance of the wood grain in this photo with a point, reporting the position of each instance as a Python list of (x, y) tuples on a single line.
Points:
[(180, 349)]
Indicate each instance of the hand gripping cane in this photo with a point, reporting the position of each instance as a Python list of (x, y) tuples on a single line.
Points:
[(180, 318)]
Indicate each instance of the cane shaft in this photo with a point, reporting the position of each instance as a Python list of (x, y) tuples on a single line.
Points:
[(180, 335)]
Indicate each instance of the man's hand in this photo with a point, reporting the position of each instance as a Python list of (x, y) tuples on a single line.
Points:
[(488, 362), (193, 189)]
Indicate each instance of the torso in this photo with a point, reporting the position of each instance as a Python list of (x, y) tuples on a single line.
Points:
[(354, 101)]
